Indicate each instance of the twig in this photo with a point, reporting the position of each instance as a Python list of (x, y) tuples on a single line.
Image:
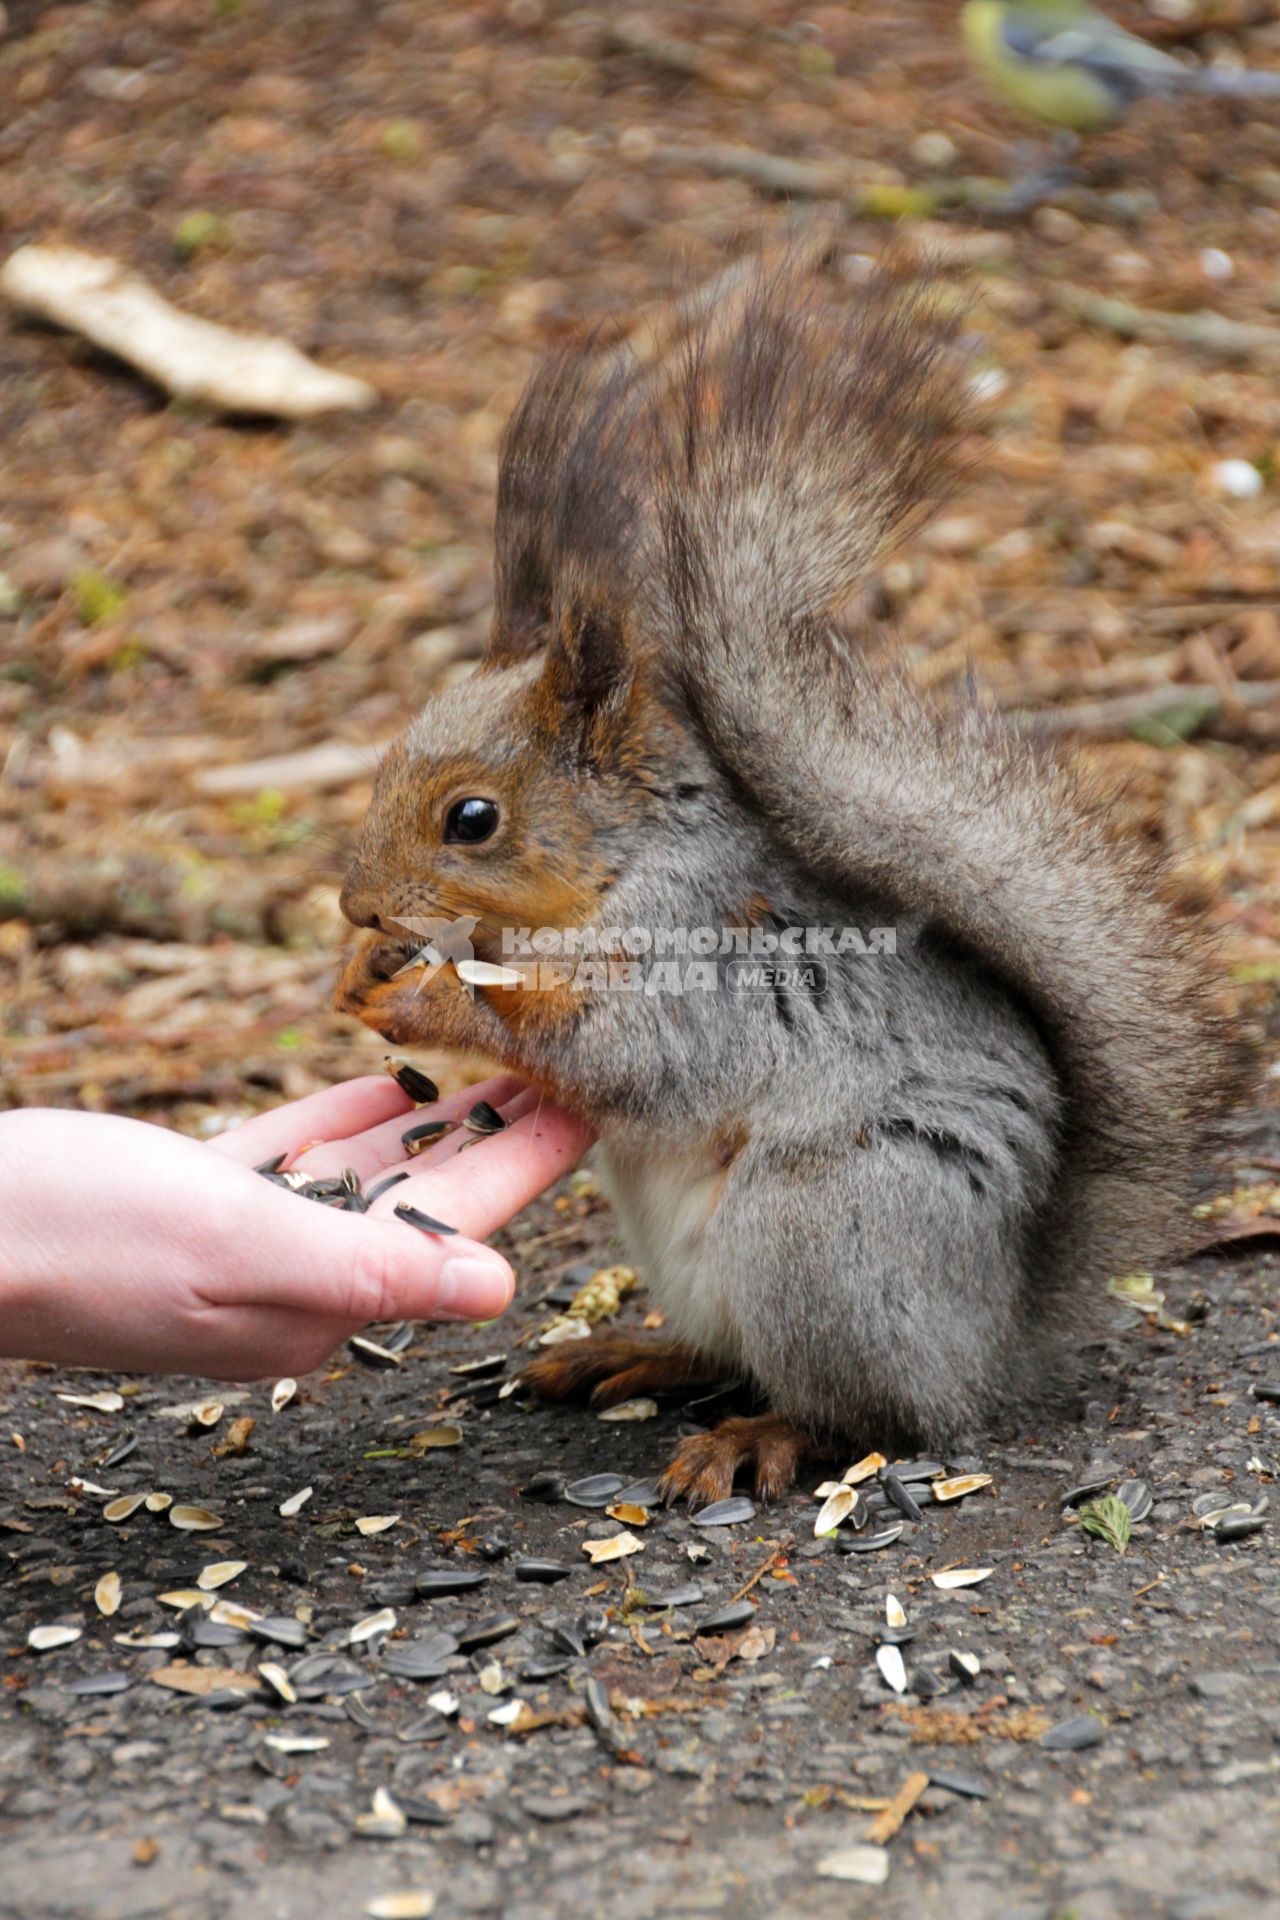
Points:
[(1198, 704), (828, 180), (333, 763), (759, 1574), (1233, 339), (886, 1824)]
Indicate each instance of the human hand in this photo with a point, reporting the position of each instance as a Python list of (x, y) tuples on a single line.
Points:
[(129, 1247)]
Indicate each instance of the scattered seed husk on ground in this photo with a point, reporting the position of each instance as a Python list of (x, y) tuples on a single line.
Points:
[(865, 1866), (194, 1519), (835, 1509), (282, 1393), (108, 1401), (220, 1573), (278, 1680), (965, 1666), (894, 1612), (892, 1667), (957, 1488), (725, 1513), (372, 1624), (617, 1547), (385, 1820), (445, 1434), (641, 1409), (371, 1523), (46, 1639), (182, 1599), (158, 1502), (295, 1503), (952, 1577), (371, 1354), (106, 1595), (412, 1904)]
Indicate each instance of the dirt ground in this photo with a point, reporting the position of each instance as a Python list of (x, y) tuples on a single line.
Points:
[(428, 197)]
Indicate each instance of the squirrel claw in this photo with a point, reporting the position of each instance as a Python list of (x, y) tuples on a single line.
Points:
[(703, 1467)]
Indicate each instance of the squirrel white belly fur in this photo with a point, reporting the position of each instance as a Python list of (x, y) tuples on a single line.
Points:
[(890, 1202)]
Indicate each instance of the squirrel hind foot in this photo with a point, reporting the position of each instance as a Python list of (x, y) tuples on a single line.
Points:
[(703, 1468), (611, 1367)]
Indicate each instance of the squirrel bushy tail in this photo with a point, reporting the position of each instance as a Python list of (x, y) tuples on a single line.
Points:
[(785, 461)]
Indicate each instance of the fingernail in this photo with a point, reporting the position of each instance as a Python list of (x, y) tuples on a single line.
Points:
[(473, 1288)]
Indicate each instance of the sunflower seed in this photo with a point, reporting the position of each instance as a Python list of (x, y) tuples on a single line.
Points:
[(201, 1630), (371, 1523), (1268, 1390), (207, 1414), (617, 1547), (370, 1353), (725, 1513), (230, 1613), (194, 1520), (158, 1502), (597, 1490), (275, 1676), (866, 1866), (484, 1119), (124, 1508), (957, 1488), (111, 1680), (1136, 1496), (272, 1166), (898, 1495), (481, 1369), (412, 1904), (965, 1666), (507, 1714), (384, 1186), (220, 1573), (630, 1410), (543, 1573), (870, 1542), (411, 1080), (424, 1222), (686, 1596), (483, 1633), (106, 1595), (1073, 1736), (916, 1472), (415, 1140), (892, 1668), (183, 1598), (147, 1640), (373, 1623), (599, 1712), (735, 1613), (962, 1783), (837, 1507), (545, 1668), (281, 1629), (1076, 1496), (282, 1393), (108, 1402), (444, 1702), (121, 1451), (870, 1464), (434, 1582), (1239, 1526), (384, 1820), (894, 1612), (295, 1503), (447, 1435), (640, 1493), (954, 1577), (294, 1742), (45, 1639)]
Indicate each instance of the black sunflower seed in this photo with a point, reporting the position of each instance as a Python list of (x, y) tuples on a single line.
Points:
[(484, 1119), (111, 1681), (411, 1080), (926, 1684), (384, 1186), (962, 1783), (546, 1487), (569, 1641), (419, 1137), (599, 1712), (371, 1354), (1265, 1390), (435, 1582), (1073, 1736), (898, 1496), (414, 1217), (272, 1166), (597, 1490), (545, 1668), (868, 1542), (1239, 1526), (1136, 1495), (492, 1363), (910, 1472), (1076, 1496), (483, 1633), (686, 1596), (281, 1629), (725, 1513), (736, 1613), (543, 1573)]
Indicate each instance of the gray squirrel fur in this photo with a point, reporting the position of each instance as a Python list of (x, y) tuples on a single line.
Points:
[(893, 1203)]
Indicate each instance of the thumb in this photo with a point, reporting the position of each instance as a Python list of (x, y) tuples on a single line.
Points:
[(358, 1268)]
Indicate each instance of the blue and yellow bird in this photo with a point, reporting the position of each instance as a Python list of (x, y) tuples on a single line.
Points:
[(1064, 63)]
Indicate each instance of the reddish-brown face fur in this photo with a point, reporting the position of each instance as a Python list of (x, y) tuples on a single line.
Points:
[(509, 735)]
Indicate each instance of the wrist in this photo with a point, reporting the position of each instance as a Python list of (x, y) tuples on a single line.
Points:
[(23, 1293)]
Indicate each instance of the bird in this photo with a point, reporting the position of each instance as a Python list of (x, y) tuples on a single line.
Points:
[(1066, 64)]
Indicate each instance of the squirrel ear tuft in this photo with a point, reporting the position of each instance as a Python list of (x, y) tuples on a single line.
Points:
[(587, 681)]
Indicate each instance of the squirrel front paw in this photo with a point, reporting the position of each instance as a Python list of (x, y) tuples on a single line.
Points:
[(414, 1005), (704, 1467), (612, 1367)]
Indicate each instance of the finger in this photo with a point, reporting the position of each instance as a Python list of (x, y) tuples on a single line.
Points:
[(290, 1252), (381, 1147), (479, 1190), (352, 1107)]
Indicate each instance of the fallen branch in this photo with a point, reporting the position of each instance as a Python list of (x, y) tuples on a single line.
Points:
[(1193, 708), (190, 358), (1212, 332), (828, 180)]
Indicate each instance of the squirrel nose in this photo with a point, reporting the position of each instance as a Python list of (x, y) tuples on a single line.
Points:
[(358, 903)]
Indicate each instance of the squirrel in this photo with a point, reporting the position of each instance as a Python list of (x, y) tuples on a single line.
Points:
[(885, 1189)]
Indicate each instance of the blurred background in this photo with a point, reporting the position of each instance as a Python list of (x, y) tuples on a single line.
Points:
[(208, 626)]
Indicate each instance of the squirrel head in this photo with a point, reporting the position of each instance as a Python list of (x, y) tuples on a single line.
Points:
[(515, 799)]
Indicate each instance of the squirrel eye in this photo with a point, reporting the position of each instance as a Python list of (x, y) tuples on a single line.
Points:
[(469, 821)]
